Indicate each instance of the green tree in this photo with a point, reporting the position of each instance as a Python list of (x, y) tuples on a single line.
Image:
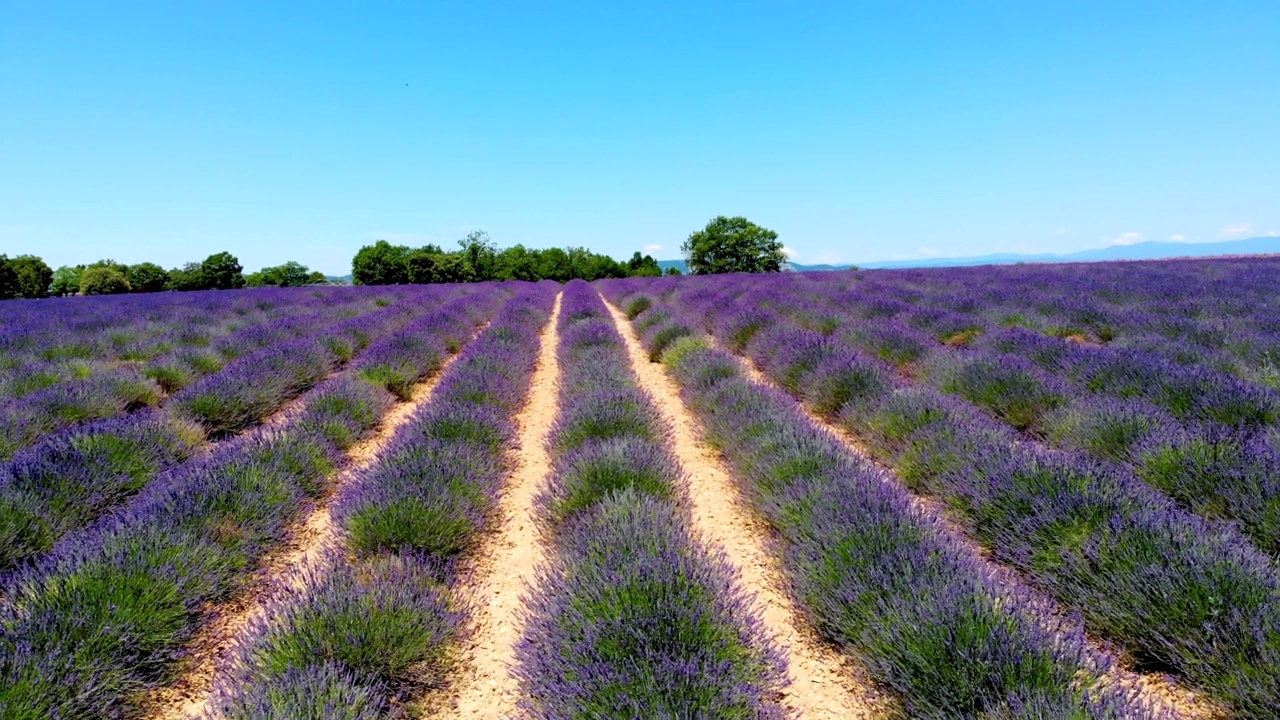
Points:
[(222, 271), (147, 277), (290, 274), (66, 280), (8, 279), (643, 266), (733, 245), (673, 270), (435, 267), (481, 254), (188, 277), (516, 263), (33, 276), (103, 280), (553, 264), (381, 264)]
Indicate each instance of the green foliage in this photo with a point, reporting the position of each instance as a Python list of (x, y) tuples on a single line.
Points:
[(8, 279), (290, 274), (733, 245), (609, 471), (409, 523), (222, 271), (66, 280), (381, 264), (672, 271), (147, 277), (32, 275), (430, 267), (103, 280), (478, 259), (188, 277), (480, 253), (643, 266)]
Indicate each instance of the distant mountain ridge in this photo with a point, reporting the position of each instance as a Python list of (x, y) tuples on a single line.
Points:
[(1269, 245)]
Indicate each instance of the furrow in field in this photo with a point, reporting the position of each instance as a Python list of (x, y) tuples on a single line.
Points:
[(301, 554), (71, 479), (372, 624), (482, 685), (105, 618), (1161, 691), (825, 683), (633, 614), (878, 573)]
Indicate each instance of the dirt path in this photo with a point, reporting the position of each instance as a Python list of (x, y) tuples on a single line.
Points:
[(482, 685), (1162, 691), (825, 683), (190, 695)]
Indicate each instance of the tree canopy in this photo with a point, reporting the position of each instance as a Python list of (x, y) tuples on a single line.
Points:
[(8, 279), (733, 244), (33, 276), (103, 280), (147, 277), (290, 274), (479, 259), (222, 271)]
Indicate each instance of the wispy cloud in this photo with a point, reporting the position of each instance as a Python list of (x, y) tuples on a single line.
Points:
[(830, 257), (1236, 231), (1124, 238), (1272, 233), (1060, 231), (1178, 238), (927, 252), (791, 253), (652, 248)]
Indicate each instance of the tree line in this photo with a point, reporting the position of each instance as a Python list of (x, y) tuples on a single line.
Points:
[(28, 276), (478, 258), (724, 245)]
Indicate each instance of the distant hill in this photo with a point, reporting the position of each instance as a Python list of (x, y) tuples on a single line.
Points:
[(1139, 251)]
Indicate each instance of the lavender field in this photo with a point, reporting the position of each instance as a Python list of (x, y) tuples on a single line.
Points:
[(1027, 491)]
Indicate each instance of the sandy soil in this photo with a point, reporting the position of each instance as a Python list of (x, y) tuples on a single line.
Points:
[(825, 683), (481, 684), (1161, 690), (281, 568)]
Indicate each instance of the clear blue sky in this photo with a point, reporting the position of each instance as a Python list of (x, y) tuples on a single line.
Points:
[(859, 131)]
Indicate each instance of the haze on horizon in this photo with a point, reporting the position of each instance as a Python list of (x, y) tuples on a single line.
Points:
[(859, 131)]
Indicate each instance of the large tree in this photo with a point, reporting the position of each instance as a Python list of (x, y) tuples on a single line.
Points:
[(430, 267), (147, 277), (222, 271), (33, 275), (188, 277), (66, 280), (290, 274), (381, 264), (103, 280), (8, 279), (733, 245)]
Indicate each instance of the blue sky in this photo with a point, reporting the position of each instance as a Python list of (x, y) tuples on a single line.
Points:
[(859, 131)]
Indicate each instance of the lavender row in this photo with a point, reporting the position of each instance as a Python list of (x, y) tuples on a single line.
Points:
[(104, 617), (367, 634), (248, 390), (70, 478), (59, 394), (1211, 456), (1216, 314), (1178, 592), (631, 617), (878, 576)]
